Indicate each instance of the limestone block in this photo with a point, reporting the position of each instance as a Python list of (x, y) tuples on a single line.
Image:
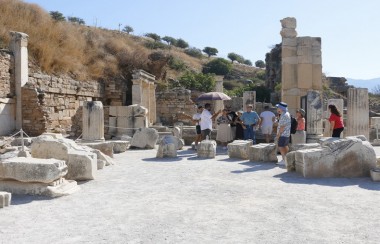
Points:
[(263, 152), (49, 148), (120, 146), (349, 157), (299, 137), (32, 169), (288, 33), (239, 149), (103, 159), (145, 138), (289, 22), (290, 161), (207, 149), (82, 165), (53, 135), (375, 174), (167, 148), (112, 121), (112, 111), (58, 188), (5, 198), (105, 147), (301, 146)]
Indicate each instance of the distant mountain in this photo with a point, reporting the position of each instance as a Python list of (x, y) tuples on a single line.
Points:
[(370, 84)]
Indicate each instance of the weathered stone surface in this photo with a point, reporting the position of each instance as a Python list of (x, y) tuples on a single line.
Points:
[(263, 152), (93, 121), (57, 188), (120, 146), (349, 157), (239, 149), (357, 112), (80, 160), (207, 149), (145, 138), (295, 147), (378, 161), (299, 137), (18, 142), (103, 159), (167, 148), (375, 174), (82, 166), (5, 198), (105, 147), (32, 169), (290, 161)]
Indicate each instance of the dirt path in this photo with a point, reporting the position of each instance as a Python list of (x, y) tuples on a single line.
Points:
[(145, 200)]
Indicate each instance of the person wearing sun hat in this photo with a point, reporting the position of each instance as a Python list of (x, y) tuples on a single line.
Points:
[(283, 130)]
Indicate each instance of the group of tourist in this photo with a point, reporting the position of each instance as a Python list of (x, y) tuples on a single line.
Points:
[(243, 125)]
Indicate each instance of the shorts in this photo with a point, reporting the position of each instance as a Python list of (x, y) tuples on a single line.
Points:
[(267, 130), (283, 141), (206, 132), (198, 129)]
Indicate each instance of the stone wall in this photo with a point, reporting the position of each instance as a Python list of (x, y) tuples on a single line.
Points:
[(172, 104), (53, 103), (6, 75)]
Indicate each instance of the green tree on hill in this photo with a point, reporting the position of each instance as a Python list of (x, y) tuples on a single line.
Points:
[(235, 57), (169, 40), (127, 29), (197, 81), (154, 36), (260, 64), (76, 20), (210, 51), (218, 66), (182, 43), (194, 52), (248, 62), (57, 16)]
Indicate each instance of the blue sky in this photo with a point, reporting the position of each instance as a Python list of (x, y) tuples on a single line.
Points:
[(350, 29)]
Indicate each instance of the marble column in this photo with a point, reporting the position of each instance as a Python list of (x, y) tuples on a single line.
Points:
[(314, 116), (357, 112), (93, 121), (19, 48)]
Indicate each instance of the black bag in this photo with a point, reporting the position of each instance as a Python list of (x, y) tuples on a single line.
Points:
[(293, 125)]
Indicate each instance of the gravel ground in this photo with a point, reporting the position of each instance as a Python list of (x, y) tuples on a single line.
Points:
[(142, 199)]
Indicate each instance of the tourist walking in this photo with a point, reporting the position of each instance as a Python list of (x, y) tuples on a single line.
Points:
[(336, 121), (250, 120), (206, 121), (283, 131), (197, 119), (266, 123), (224, 134)]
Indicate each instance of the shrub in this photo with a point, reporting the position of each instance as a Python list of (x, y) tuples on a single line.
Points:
[(197, 81), (154, 36), (156, 45), (210, 51), (218, 66), (260, 64), (176, 64), (235, 57), (181, 43), (194, 52)]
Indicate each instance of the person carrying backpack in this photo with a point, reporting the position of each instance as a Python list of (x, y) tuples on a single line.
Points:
[(283, 130)]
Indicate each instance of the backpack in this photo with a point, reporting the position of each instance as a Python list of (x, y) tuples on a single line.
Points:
[(293, 125)]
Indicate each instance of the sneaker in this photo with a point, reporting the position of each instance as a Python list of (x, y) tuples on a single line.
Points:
[(281, 163)]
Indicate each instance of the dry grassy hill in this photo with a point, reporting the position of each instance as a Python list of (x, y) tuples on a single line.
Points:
[(86, 52)]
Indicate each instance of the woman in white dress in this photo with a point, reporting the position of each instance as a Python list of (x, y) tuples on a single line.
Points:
[(224, 134)]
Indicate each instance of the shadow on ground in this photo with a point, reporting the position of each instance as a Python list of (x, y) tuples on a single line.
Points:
[(253, 167), (363, 182), (24, 199)]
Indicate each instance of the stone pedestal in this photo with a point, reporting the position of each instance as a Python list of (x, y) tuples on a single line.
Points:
[(93, 121), (167, 148), (207, 149), (239, 149), (357, 112), (5, 199)]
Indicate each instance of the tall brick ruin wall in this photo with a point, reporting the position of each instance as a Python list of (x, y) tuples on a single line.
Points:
[(6, 74)]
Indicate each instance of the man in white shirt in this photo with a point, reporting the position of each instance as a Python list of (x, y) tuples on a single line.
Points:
[(197, 120), (266, 123), (206, 121)]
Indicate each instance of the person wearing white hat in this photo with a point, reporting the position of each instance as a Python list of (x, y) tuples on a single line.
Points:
[(283, 130)]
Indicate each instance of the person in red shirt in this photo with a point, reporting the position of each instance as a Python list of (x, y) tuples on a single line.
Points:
[(336, 121)]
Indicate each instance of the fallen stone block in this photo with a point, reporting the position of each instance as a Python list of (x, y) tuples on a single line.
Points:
[(239, 149), (57, 188), (167, 148), (207, 149), (375, 174), (32, 169), (105, 147), (102, 159), (301, 146), (263, 152), (290, 162), (81, 166), (145, 138), (5, 199), (348, 157), (120, 146)]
